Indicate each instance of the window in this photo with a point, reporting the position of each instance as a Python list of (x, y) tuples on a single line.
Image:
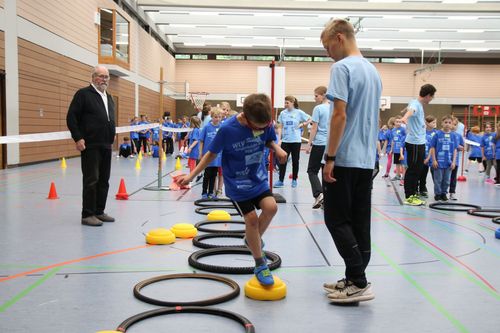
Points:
[(322, 59), (199, 57), (373, 59), (182, 56), (260, 58), (114, 38), (396, 60), (229, 57), (294, 58)]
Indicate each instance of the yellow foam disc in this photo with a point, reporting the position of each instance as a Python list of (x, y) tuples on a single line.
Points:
[(184, 230), (218, 215), (254, 290), (160, 236)]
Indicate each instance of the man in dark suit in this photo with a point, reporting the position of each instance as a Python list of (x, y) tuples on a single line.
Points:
[(91, 121)]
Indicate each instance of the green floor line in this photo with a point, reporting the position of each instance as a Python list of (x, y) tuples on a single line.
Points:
[(442, 258), (26, 291), (422, 291)]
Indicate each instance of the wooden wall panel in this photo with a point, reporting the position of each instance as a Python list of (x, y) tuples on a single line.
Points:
[(149, 104), (72, 20), (170, 105), (47, 83), (451, 81), (2, 50), (124, 92), (153, 56)]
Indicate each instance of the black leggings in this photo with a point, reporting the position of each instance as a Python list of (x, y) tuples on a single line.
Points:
[(209, 180), (294, 149)]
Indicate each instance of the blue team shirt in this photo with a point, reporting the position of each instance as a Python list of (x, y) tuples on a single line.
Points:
[(290, 120), (167, 134), (398, 139), (156, 151), (497, 150), (194, 135), (355, 81), (487, 144), (388, 138), (381, 135), (415, 128), (321, 115), (134, 135), (243, 165), (156, 133), (445, 145), (141, 133), (459, 141), (207, 135), (475, 151)]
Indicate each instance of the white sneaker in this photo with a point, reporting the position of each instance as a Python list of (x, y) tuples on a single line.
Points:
[(331, 287), (351, 294), (453, 196), (318, 201)]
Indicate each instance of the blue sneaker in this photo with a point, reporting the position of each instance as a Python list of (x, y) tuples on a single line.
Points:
[(263, 274), (204, 196), (279, 183), (294, 183)]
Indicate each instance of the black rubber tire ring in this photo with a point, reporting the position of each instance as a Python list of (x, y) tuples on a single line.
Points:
[(203, 210), (479, 212), (198, 240), (496, 220), (445, 205), (201, 228), (214, 203), (194, 257), (216, 300), (125, 325)]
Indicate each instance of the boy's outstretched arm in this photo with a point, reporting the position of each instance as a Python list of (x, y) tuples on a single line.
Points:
[(207, 158), (280, 153)]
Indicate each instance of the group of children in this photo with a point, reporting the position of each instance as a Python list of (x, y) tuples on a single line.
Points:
[(443, 153)]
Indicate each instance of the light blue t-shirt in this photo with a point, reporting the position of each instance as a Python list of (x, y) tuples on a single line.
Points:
[(243, 166), (321, 115), (355, 81), (415, 129), (207, 135), (290, 120)]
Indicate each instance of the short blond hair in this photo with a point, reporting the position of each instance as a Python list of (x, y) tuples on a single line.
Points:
[(216, 111), (337, 26)]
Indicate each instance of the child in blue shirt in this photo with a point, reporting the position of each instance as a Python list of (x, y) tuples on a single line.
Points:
[(443, 153), (474, 149), (134, 136), (207, 135), (487, 151), (193, 149), (430, 131), (496, 149), (397, 142), (125, 148), (241, 140)]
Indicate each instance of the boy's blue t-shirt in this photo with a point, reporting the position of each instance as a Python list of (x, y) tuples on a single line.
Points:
[(459, 141), (475, 151), (156, 151), (125, 146), (444, 144), (141, 133), (388, 138), (134, 135), (156, 133), (207, 135), (398, 139), (429, 134), (415, 128), (487, 144), (290, 120), (497, 149), (194, 135), (321, 115), (243, 165), (356, 81), (381, 135)]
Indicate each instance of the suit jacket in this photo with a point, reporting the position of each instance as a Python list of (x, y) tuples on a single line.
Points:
[(87, 118)]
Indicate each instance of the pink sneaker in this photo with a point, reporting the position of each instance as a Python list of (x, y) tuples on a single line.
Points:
[(489, 181)]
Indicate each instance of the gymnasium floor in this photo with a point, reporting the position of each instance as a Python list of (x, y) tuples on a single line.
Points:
[(432, 271)]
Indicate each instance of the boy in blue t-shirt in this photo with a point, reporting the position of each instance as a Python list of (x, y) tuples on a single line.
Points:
[(125, 148), (444, 154), (241, 140), (397, 143), (430, 131), (206, 137), (487, 151)]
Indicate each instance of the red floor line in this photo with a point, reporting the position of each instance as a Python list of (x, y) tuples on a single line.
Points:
[(470, 269), (72, 262)]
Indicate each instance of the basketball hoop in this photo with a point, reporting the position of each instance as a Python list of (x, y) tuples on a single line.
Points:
[(197, 99)]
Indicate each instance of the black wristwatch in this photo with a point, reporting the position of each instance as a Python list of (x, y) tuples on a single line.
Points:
[(329, 158)]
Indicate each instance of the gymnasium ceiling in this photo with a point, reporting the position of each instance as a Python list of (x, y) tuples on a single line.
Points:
[(390, 27)]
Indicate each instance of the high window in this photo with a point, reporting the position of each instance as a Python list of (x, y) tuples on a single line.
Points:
[(114, 38)]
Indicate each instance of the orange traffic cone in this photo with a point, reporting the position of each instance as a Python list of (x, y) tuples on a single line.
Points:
[(52, 192), (122, 191)]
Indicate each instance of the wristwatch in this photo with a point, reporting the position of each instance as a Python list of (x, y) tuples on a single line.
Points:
[(329, 158)]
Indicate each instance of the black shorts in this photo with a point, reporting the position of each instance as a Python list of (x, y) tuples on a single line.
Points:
[(395, 159), (245, 207), (477, 159)]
